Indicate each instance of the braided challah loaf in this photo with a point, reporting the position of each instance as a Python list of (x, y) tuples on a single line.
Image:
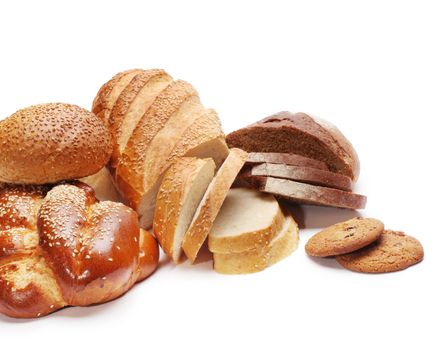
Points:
[(60, 246)]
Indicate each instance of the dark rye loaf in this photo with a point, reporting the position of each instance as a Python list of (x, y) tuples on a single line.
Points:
[(300, 134)]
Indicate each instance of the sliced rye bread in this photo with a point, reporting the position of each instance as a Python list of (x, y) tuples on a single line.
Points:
[(301, 174), (211, 203), (238, 228), (300, 134), (181, 191), (281, 246), (285, 158), (109, 93), (132, 104), (307, 194)]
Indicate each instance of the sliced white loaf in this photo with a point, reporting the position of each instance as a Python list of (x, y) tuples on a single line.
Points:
[(181, 191), (280, 247), (247, 220)]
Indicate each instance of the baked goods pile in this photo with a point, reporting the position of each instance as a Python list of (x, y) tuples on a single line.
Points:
[(80, 190), (59, 245)]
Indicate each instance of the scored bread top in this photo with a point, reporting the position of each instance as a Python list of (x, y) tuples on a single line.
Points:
[(131, 168), (247, 220), (109, 92), (132, 104)]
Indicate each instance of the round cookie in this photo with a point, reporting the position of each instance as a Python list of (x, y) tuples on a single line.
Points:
[(393, 251), (344, 237)]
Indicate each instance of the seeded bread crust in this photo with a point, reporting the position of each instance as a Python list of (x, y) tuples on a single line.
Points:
[(52, 142), (393, 251), (300, 134), (109, 92), (344, 237)]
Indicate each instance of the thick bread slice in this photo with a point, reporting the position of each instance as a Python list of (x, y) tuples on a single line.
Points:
[(103, 186), (286, 158), (181, 191), (211, 203), (301, 134), (280, 247), (301, 174), (208, 142), (131, 172), (308, 194), (203, 139), (109, 93), (132, 104), (248, 220), (156, 158)]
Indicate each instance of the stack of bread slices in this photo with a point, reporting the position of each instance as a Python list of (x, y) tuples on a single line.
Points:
[(247, 229)]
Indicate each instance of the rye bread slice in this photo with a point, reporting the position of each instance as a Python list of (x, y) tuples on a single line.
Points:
[(300, 134), (285, 158), (302, 174), (307, 194)]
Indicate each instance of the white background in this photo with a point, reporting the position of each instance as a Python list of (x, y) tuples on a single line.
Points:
[(373, 68)]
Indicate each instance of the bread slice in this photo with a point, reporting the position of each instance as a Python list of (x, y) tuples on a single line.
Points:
[(301, 174), (211, 203), (308, 194), (247, 220), (281, 246), (109, 93), (131, 173), (132, 104), (181, 191), (203, 139), (286, 158), (299, 134)]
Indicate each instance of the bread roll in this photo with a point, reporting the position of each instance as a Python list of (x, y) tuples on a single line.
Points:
[(52, 142)]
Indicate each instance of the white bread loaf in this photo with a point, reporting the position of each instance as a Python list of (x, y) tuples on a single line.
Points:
[(280, 247), (155, 121), (180, 193), (212, 202), (248, 220)]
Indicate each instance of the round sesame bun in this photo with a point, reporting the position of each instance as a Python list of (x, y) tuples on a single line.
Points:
[(52, 142)]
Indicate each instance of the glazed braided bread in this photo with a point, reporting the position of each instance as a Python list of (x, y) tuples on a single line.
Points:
[(60, 246)]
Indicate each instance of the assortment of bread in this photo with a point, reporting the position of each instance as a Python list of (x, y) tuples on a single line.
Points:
[(79, 191)]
